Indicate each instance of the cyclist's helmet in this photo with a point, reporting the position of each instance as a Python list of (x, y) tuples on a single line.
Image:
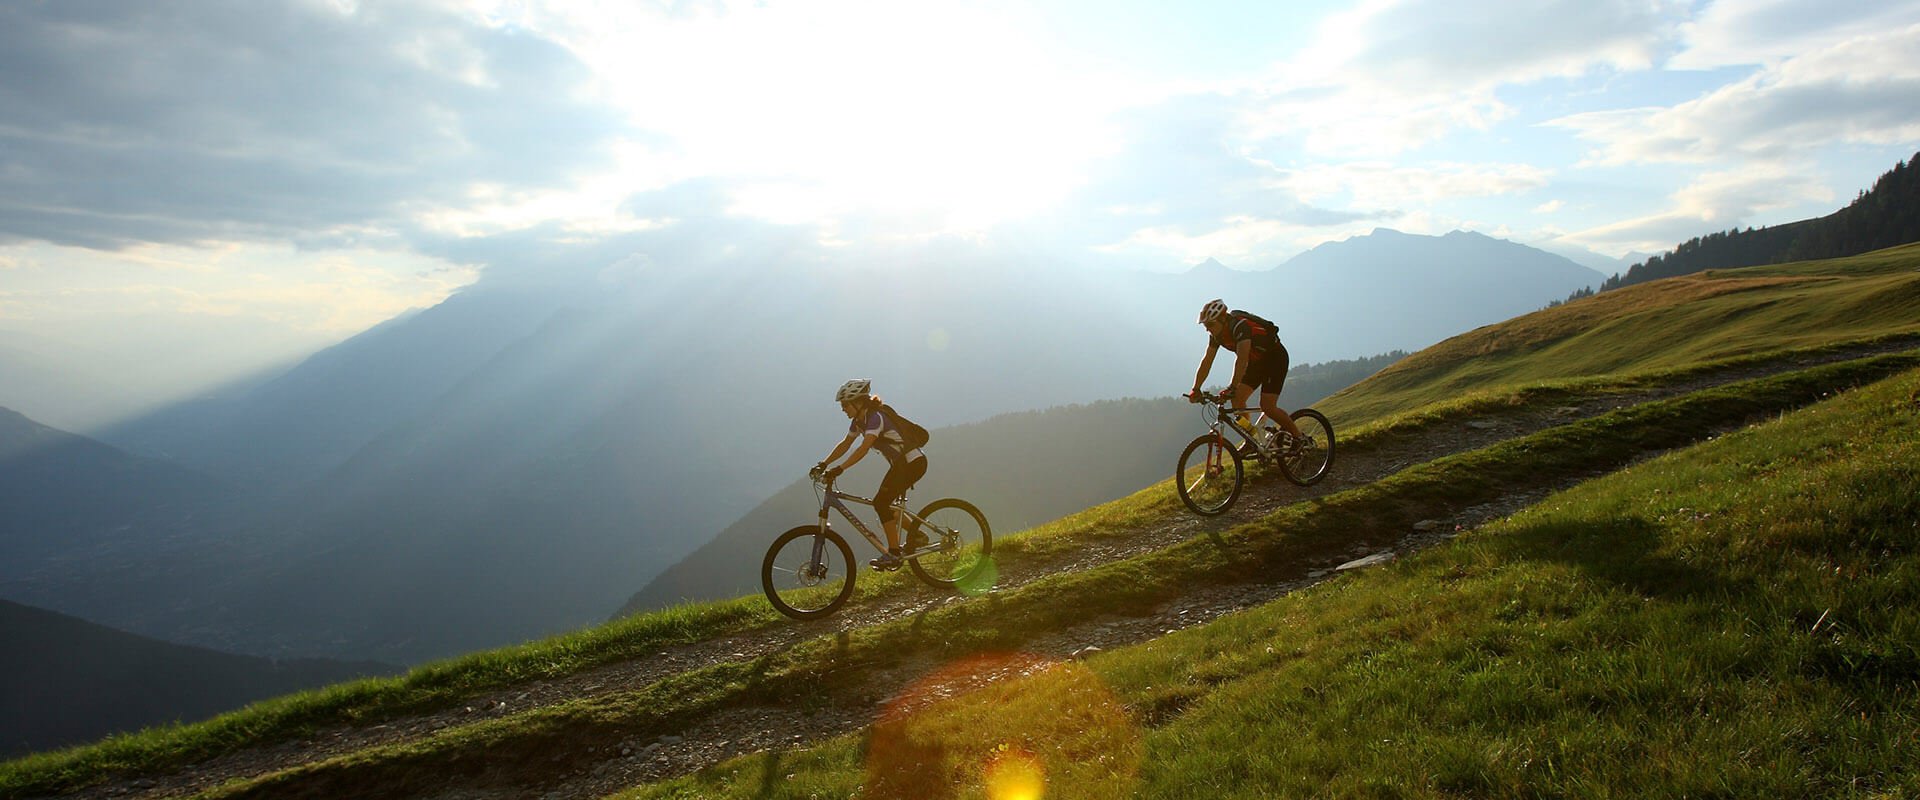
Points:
[(856, 389), (1213, 310)]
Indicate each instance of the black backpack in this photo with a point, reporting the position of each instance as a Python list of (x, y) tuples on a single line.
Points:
[(914, 435), (1264, 332)]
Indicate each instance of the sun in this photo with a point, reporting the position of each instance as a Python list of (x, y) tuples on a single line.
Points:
[(945, 116)]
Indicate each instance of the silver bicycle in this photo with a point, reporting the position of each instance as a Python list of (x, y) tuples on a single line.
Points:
[(809, 571), (1210, 473)]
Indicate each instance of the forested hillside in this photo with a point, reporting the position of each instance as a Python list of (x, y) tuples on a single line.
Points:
[(1884, 216), (65, 680)]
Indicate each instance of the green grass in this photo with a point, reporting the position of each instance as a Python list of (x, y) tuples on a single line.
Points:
[(499, 753), (1654, 327), (1632, 340), (1737, 619)]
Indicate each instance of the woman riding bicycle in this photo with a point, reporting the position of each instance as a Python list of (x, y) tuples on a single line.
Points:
[(877, 430), (1260, 361)]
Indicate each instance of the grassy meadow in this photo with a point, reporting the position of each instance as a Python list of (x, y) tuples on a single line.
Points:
[(1641, 627), (1740, 618)]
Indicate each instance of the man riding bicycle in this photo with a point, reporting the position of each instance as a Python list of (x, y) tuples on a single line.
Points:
[(1260, 363), (877, 430)]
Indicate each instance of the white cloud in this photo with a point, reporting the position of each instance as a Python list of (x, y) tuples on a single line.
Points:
[(1380, 185), (1393, 75), (1243, 240), (310, 297), (1422, 45), (1549, 207), (1715, 201), (1742, 32), (1862, 90)]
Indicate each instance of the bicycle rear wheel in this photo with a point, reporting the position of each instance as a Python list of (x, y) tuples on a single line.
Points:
[(808, 572), (966, 544), (1209, 476), (1315, 457)]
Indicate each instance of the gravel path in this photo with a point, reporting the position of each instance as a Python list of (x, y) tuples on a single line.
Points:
[(739, 731)]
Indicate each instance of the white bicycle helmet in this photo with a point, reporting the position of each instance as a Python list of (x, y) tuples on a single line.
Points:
[(856, 389), (1212, 311)]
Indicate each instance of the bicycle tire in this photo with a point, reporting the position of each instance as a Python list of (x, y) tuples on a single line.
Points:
[(1224, 486), (1315, 460), (947, 569), (794, 594)]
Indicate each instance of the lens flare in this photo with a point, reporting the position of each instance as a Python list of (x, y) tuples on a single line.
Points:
[(977, 577), (1004, 726), (1014, 774)]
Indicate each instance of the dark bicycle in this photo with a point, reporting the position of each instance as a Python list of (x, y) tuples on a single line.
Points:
[(1210, 473), (809, 571)]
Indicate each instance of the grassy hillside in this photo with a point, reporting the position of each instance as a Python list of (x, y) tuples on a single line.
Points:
[(1739, 619), (1671, 324), (1529, 365), (1084, 455), (498, 754)]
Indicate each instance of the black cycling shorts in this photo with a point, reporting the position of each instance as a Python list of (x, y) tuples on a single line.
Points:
[(900, 478), (1268, 372)]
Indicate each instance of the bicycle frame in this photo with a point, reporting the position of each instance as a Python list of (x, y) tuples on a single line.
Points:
[(1222, 420), (832, 500)]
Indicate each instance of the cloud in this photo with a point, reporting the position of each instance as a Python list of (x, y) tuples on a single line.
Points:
[(1394, 75), (1715, 201), (1861, 90), (309, 295), (1382, 185), (182, 121), (1744, 32), (1424, 45)]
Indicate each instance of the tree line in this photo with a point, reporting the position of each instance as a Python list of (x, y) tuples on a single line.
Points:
[(1884, 216)]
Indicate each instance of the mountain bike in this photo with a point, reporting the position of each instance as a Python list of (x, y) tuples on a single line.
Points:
[(809, 571), (1210, 473)]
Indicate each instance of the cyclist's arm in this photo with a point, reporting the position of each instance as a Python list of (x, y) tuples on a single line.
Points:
[(844, 444), (1243, 354), (1206, 365), (866, 443)]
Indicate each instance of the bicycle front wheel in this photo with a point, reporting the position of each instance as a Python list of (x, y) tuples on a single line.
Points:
[(1314, 459), (1209, 476), (808, 572), (964, 542)]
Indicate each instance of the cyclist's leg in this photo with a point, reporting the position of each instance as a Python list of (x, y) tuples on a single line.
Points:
[(899, 478), (1243, 395), (1273, 377)]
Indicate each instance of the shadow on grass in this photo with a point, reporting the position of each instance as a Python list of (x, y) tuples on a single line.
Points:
[(769, 773), (904, 766), (1624, 552)]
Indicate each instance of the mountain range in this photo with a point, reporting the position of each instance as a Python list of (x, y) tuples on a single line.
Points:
[(518, 459), (65, 681)]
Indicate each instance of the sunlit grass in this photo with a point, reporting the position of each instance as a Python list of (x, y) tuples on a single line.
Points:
[(1656, 328), (955, 631), (1737, 619), (1632, 340)]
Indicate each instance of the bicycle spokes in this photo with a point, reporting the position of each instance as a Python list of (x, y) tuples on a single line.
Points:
[(807, 573), (1209, 475), (961, 555)]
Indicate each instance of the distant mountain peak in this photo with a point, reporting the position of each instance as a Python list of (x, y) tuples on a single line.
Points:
[(1210, 266)]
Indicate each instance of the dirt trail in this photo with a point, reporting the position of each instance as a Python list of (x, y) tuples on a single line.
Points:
[(737, 731)]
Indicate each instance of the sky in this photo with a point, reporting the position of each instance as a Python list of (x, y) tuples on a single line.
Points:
[(195, 189)]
